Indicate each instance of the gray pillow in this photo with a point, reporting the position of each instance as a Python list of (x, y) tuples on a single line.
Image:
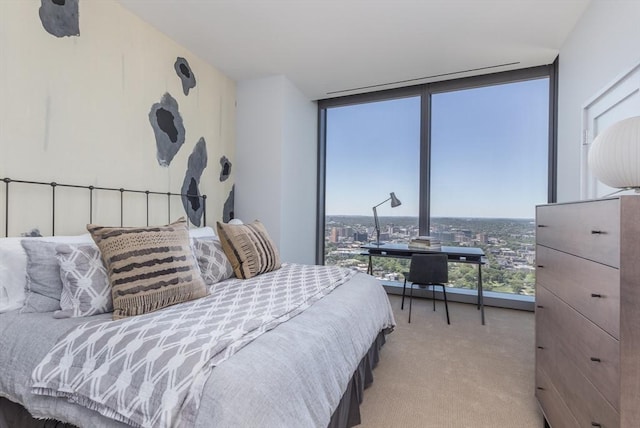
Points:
[(44, 285), (85, 284), (213, 262)]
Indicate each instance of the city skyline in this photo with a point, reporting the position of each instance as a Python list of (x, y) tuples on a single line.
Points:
[(508, 244), (381, 217)]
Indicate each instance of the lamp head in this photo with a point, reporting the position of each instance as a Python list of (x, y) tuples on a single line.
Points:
[(395, 202)]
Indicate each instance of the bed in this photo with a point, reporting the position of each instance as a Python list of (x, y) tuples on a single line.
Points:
[(308, 369)]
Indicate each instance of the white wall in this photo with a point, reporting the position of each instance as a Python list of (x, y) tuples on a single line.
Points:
[(276, 154), (299, 177), (259, 128), (75, 110), (604, 44)]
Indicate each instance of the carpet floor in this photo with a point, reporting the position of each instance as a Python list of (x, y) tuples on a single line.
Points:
[(455, 376)]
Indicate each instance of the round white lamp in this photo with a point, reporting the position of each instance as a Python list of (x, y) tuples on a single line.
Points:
[(614, 157)]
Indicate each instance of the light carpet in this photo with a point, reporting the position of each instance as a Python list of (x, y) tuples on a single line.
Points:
[(455, 376)]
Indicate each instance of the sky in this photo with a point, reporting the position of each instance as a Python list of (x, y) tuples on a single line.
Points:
[(489, 153)]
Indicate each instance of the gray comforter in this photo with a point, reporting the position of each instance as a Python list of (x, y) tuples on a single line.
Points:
[(293, 375)]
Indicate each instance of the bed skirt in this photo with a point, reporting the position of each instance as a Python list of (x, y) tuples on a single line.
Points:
[(13, 415), (346, 415)]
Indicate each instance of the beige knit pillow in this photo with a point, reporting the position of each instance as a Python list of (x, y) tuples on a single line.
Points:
[(149, 267), (249, 248)]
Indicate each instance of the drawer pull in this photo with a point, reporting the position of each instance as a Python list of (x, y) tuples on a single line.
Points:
[(595, 359), (596, 295), (540, 388), (595, 424), (540, 307), (542, 225), (540, 347), (540, 266), (598, 232)]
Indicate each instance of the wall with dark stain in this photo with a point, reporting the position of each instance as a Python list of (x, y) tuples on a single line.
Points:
[(76, 109)]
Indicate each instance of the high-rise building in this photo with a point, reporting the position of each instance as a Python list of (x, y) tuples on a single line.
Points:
[(360, 236), (335, 235)]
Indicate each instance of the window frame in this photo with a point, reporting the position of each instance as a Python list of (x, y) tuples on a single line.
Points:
[(425, 91)]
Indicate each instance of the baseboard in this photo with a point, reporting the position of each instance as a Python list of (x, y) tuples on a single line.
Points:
[(464, 295)]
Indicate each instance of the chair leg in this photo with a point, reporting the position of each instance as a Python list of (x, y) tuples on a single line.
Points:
[(410, 302), (404, 287), (433, 296), (446, 305)]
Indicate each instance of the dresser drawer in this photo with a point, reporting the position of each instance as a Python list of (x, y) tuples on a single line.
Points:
[(566, 395), (554, 409), (593, 289), (593, 351), (586, 403), (587, 229)]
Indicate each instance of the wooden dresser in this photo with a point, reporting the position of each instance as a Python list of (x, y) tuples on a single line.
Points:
[(588, 312)]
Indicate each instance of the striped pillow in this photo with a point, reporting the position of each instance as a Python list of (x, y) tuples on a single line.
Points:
[(149, 267), (248, 248)]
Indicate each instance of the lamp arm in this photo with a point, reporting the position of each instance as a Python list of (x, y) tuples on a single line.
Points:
[(376, 224), (388, 199)]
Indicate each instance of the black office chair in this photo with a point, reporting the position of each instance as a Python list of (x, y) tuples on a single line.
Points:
[(430, 270)]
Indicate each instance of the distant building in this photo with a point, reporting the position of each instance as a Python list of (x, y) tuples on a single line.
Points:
[(360, 236), (461, 238), (335, 235), (445, 236), (507, 252)]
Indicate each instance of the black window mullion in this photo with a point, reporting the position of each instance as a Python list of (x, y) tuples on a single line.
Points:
[(424, 217), (553, 132), (321, 184)]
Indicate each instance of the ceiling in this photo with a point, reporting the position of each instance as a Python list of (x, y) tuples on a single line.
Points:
[(330, 48)]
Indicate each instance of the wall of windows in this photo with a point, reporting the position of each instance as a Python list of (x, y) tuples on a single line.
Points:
[(468, 158)]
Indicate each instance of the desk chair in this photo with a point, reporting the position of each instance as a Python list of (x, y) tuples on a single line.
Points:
[(430, 270)]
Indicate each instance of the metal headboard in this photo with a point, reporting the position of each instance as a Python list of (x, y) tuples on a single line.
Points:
[(53, 185)]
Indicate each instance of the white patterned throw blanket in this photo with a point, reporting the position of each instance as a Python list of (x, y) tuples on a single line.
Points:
[(150, 370)]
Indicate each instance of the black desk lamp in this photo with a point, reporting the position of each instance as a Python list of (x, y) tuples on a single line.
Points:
[(394, 203)]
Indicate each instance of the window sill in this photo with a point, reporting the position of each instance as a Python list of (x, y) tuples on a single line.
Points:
[(464, 295)]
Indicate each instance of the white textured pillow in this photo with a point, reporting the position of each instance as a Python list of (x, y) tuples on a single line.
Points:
[(213, 262), (85, 284), (13, 274), (202, 232)]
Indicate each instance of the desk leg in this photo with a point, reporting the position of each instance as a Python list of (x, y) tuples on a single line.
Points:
[(370, 267), (480, 296)]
